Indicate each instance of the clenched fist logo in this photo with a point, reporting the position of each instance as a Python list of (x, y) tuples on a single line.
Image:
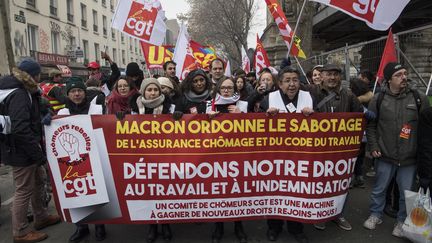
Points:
[(71, 145)]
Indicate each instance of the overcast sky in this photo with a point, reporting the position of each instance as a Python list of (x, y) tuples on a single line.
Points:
[(174, 7)]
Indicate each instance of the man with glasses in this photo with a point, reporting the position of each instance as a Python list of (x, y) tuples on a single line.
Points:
[(287, 99), (392, 138)]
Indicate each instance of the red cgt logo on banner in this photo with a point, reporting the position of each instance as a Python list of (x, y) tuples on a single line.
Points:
[(362, 9), (140, 21)]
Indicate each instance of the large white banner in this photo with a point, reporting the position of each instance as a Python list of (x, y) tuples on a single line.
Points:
[(378, 14)]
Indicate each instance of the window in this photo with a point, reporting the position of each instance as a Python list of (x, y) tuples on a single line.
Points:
[(123, 57), (69, 9), (104, 25), (33, 37), (113, 34), (95, 21), (55, 42), (97, 51), (122, 38), (86, 49), (104, 3), (112, 5), (136, 45), (83, 15), (72, 41), (53, 7), (31, 3), (114, 55)]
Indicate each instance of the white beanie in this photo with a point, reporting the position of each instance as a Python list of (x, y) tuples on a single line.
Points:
[(166, 82)]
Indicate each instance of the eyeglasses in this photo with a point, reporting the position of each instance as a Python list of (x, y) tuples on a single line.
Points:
[(123, 86), (227, 88)]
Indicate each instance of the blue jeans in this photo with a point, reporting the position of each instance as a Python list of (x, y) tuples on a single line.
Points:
[(385, 172)]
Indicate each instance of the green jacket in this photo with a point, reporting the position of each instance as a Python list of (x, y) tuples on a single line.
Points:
[(397, 145)]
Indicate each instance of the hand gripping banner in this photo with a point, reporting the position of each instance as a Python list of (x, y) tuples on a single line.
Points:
[(152, 169)]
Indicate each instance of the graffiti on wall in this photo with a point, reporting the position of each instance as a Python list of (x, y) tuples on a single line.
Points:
[(43, 40), (20, 47)]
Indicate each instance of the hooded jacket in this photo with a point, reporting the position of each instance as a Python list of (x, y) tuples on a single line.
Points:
[(19, 99), (395, 132)]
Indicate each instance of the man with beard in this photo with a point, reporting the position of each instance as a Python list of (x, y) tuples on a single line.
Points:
[(330, 96), (392, 138)]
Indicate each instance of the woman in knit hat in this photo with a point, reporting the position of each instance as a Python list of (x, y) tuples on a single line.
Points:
[(120, 99), (151, 100)]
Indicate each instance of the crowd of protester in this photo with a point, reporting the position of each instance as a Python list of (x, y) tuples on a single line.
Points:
[(396, 116)]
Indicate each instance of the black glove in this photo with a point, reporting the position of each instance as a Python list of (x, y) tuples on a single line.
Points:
[(177, 115), (46, 120), (120, 115)]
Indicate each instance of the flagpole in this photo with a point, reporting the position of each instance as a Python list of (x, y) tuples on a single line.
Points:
[(375, 85), (301, 68), (296, 26), (429, 84)]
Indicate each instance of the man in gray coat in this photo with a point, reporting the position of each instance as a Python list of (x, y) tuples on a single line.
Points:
[(392, 139)]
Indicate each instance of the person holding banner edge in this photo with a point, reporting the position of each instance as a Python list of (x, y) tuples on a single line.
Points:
[(76, 104), (332, 97), (153, 101), (226, 100), (287, 99)]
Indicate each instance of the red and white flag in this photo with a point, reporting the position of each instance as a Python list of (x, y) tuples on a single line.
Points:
[(183, 55), (284, 28), (141, 19), (378, 14), (245, 61), (389, 55), (261, 58), (228, 69)]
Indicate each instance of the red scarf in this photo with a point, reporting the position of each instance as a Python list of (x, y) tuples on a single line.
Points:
[(117, 102)]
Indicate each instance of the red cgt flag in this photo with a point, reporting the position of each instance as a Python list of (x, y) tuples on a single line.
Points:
[(261, 58), (389, 55)]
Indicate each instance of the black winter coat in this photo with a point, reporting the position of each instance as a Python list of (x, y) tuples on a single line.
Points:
[(424, 148), (22, 147)]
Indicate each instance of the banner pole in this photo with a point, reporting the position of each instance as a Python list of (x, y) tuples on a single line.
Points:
[(302, 70), (296, 26)]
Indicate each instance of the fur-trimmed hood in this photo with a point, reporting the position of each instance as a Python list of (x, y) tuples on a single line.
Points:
[(19, 79)]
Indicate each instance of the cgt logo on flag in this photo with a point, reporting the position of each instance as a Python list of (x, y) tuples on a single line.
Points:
[(75, 168), (362, 8), (140, 21)]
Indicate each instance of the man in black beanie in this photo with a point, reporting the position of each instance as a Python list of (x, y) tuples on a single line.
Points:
[(392, 140)]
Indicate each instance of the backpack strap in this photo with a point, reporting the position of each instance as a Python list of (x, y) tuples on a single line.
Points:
[(325, 100)]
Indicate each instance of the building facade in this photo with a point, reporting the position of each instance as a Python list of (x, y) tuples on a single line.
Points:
[(69, 32)]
